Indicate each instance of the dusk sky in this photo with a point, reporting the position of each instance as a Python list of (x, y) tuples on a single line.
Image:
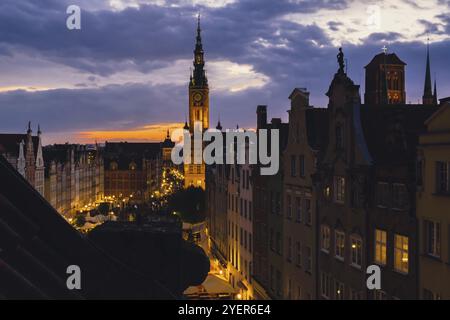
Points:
[(124, 75)]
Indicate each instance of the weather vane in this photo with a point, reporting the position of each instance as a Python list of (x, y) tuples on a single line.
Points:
[(385, 49)]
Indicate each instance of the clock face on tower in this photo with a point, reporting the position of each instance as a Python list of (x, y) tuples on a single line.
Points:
[(198, 97)]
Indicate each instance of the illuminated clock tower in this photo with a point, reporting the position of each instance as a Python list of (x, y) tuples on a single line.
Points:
[(198, 110)]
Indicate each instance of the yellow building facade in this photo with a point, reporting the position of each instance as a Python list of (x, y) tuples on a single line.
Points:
[(433, 206)]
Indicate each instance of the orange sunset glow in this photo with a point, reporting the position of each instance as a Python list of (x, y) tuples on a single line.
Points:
[(152, 132)]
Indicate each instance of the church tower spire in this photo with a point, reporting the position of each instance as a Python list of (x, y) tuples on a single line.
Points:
[(427, 97)]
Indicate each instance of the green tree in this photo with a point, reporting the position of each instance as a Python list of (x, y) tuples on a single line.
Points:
[(189, 204)]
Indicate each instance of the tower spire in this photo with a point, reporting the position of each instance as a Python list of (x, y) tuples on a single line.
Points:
[(435, 99), (427, 97), (199, 78)]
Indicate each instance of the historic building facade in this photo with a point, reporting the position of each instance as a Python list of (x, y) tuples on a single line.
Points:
[(24, 153), (356, 188), (74, 177), (132, 170), (433, 202), (268, 252), (366, 194), (308, 129), (194, 173)]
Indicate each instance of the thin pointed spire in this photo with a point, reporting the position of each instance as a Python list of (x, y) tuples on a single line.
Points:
[(39, 129), (427, 97), (435, 98), (29, 127)]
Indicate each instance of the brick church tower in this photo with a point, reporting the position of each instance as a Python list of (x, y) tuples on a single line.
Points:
[(385, 80)]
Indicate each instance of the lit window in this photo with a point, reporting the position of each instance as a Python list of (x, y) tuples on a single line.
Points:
[(401, 253), (380, 247), (356, 250), (339, 249)]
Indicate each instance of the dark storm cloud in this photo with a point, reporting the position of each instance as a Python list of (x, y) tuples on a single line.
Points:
[(151, 37)]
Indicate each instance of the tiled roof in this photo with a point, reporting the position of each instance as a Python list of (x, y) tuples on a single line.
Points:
[(37, 245), (9, 143), (390, 58)]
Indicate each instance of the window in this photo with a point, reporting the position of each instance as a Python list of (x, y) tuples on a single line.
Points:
[(433, 238), (419, 172), (355, 294), (338, 290), (298, 208), (399, 196), (308, 215), (339, 241), (272, 247), (272, 278), (308, 259), (380, 247), (356, 251), (278, 204), (279, 283), (430, 295), (298, 258), (278, 243), (442, 177), (379, 295), (250, 248), (401, 253), (339, 137), (383, 194), (289, 249), (302, 165), (288, 207), (339, 189), (325, 281), (325, 238), (293, 166)]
